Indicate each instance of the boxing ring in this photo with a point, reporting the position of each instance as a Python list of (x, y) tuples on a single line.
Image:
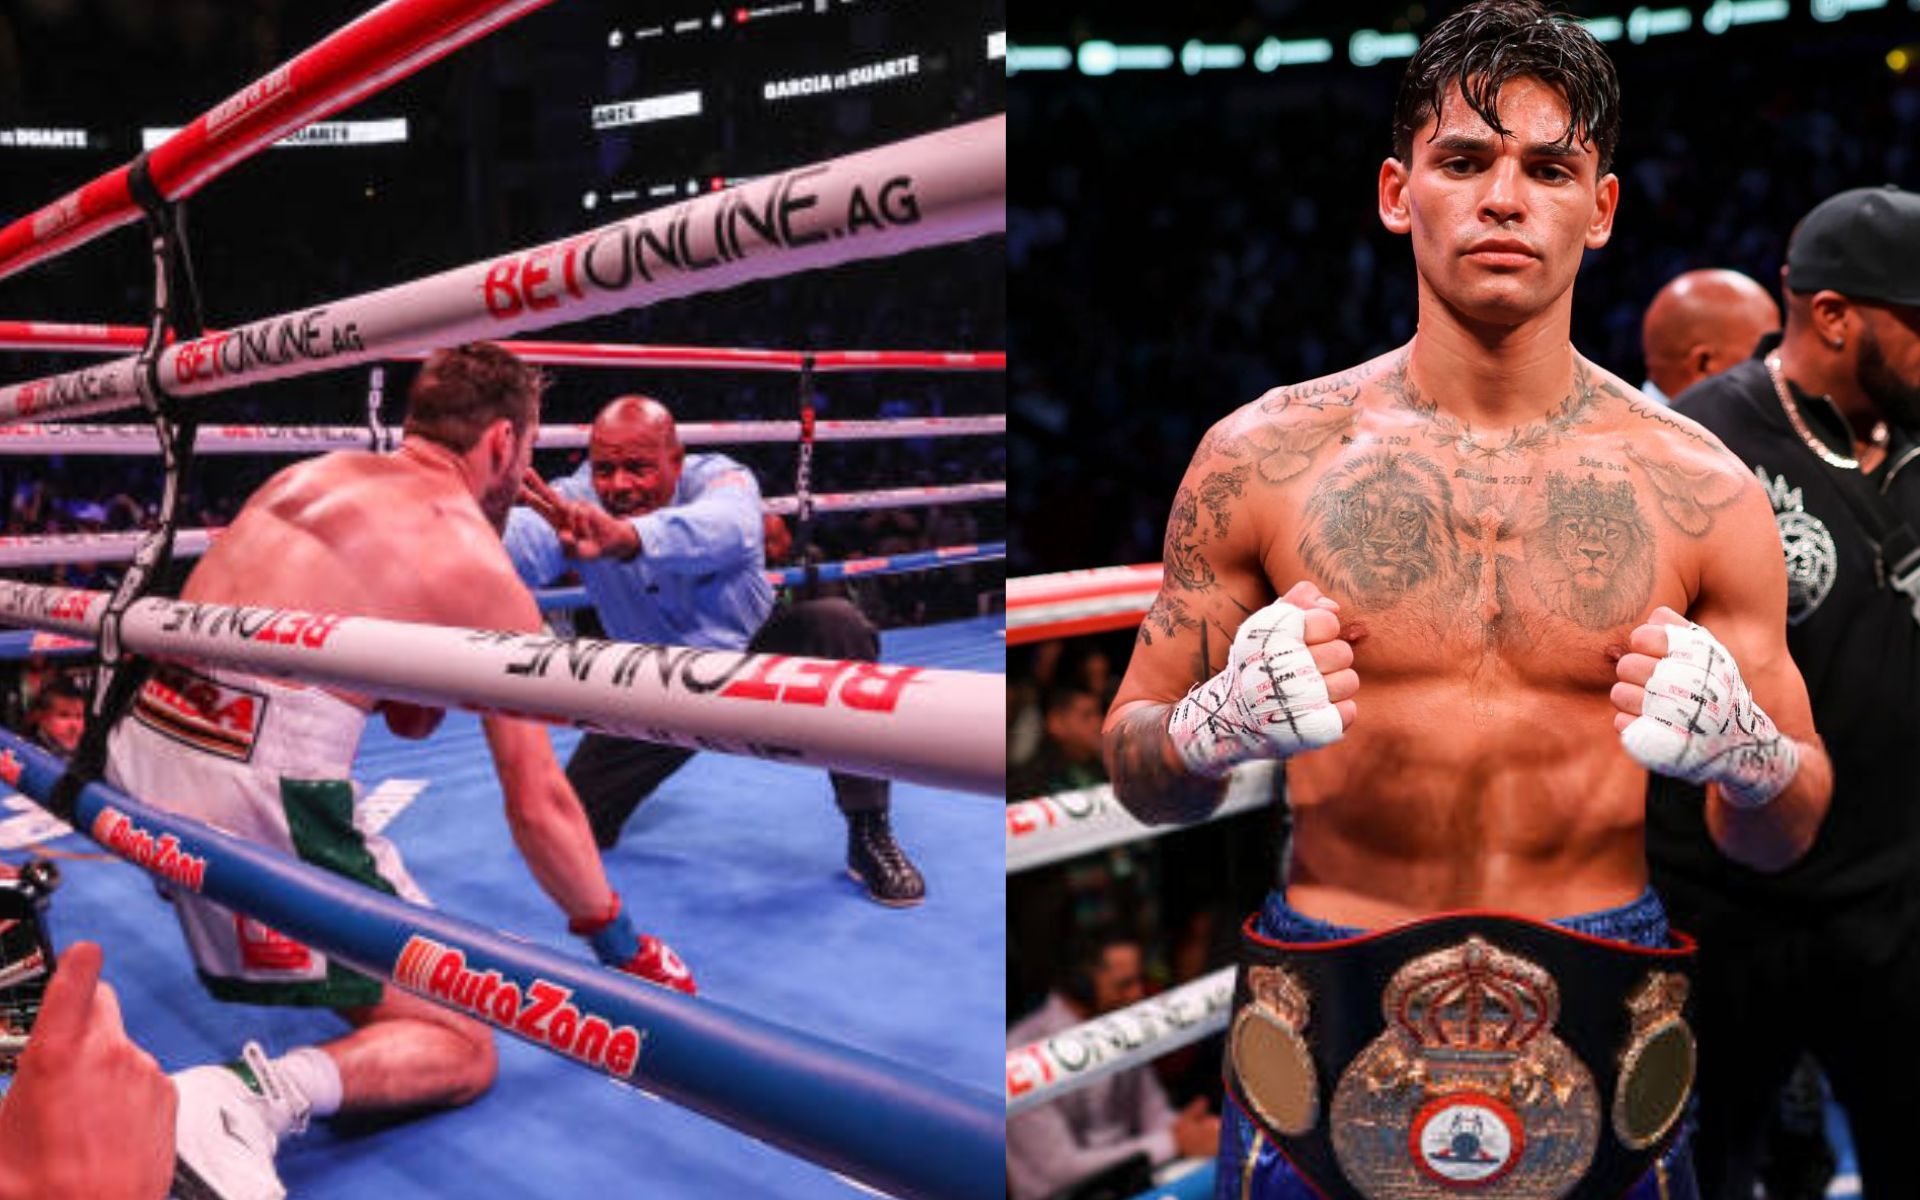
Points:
[(901, 1124), (1067, 825)]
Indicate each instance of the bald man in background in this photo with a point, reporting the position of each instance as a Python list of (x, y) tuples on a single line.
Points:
[(1700, 324)]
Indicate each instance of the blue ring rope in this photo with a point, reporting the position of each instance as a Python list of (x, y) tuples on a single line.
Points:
[(890, 1126)]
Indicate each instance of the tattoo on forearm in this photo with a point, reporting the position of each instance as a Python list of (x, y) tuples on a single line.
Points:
[(1139, 762), (1592, 559)]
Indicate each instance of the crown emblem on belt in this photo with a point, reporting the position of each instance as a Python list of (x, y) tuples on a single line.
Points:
[(1467, 1090)]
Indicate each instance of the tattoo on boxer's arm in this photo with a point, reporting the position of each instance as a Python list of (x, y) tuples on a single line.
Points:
[(1186, 567), (1139, 762), (1218, 491), (1169, 614), (1380, 527)]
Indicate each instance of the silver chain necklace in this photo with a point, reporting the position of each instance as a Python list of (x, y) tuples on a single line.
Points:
[(1799, 423)]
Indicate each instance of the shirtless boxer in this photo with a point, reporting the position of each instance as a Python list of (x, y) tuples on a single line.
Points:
[(1498, 538), (410, 536)]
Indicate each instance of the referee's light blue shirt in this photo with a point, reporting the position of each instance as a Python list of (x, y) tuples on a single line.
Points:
[(700, 577)]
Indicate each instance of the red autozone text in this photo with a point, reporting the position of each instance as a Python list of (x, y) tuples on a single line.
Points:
[(544, 1014), (163, 856)]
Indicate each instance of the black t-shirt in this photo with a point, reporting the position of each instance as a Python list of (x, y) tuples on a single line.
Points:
[(1857, 645)]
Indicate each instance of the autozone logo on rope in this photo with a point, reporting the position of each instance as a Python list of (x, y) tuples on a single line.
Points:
[(544, 1014), (696, 236), (278, 626), (860, 686), (298, 337), (116, 831)]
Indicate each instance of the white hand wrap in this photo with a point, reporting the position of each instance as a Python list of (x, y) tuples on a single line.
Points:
[(1700, 724), (1269, 702)]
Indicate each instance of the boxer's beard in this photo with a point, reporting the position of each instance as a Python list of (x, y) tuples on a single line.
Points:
[(497, 501), (1896, 399)]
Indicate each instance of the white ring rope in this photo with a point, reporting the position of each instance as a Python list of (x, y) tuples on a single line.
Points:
[(942, 728), (909, 497), (1065, 825), (1045, 1070), (302, 439), (59, 549), (1068, 824), (942, 187)]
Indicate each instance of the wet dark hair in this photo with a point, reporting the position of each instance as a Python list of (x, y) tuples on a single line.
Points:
[(462, 390), (1487, 44), (57, 687)]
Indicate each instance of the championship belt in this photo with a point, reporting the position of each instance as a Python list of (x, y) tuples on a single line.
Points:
[(1464, 1055)]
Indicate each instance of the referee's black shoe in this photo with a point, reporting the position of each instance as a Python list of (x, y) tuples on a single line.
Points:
[(877, 862)]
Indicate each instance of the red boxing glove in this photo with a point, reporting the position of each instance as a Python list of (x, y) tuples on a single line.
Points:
[(617, 945)]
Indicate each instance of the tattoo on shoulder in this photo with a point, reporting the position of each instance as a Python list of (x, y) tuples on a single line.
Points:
[(1335, 391), (1689, 496), (1639, 406)]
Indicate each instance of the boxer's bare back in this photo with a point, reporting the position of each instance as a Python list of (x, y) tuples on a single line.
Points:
[(1488, 582), (400, 537)]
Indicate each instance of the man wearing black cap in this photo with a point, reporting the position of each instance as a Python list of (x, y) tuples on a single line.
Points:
[(1825, 955)]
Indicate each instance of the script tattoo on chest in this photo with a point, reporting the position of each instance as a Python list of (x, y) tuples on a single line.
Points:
[(1379, 527), (1592, 559)]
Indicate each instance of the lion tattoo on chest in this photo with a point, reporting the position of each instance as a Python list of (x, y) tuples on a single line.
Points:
[(1379, 526), (1592, 559)]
